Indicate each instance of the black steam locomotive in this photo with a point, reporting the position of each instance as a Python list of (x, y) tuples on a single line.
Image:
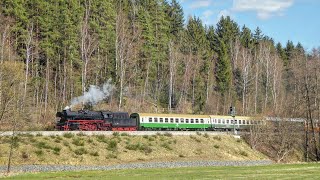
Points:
[(85, 120)]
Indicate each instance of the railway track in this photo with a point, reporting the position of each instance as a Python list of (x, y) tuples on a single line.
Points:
[(133, 133)]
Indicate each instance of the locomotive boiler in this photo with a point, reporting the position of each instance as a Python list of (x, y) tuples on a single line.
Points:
[(85, 120)]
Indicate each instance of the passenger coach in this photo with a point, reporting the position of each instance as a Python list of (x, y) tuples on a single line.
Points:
[(149, 121)]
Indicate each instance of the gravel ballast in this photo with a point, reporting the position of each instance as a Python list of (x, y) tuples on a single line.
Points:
[(47, 168)]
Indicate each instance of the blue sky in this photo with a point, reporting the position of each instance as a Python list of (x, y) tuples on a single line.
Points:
[(283, 20)]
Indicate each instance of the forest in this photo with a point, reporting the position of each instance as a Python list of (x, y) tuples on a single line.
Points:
[(155, 60)]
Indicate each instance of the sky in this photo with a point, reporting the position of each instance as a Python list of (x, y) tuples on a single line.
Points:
[(282, 20)]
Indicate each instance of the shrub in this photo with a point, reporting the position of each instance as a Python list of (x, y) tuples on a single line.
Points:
[(239, 140), (198, 133), (124, 134), (217, 138), (24, 155), (181, 155), (80, 151), (116, 134), (141, 147), (145, 136), (133, 147), (57, 141), (151, 138), (43, 145), (243, 153), (90, 140), (146, 149), (195, 138), (78, 141), (15, 142), (216, 146), (111, 156), (38, 134), (166, 146), (52, 136), (102, 138), (38, 152), (168, 134), (94, 153), (66, 143), (68, 135), (112, 145), (155, 135), (81, 134), (206, 135), (56, 150)]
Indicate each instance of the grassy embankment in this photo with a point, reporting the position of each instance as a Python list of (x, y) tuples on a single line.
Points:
[(284, 171), (123, 148)]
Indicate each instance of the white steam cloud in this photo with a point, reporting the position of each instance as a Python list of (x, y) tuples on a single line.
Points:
[(94, 95)]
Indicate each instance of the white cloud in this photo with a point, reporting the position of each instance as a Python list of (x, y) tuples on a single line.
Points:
[(200, 4), (206, 17), (264, 8), (223, 13), (207, 13)]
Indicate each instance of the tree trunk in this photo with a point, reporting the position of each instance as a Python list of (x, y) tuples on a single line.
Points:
[(28, 42)]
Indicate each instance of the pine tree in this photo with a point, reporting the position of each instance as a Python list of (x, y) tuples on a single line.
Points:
[(246, 37), (281, 51), (175, 13), (223, 69), (258, 36)]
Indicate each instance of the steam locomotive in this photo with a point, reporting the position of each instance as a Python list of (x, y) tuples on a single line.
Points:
[(85, 120)]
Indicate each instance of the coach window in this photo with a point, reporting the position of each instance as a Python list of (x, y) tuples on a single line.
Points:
[(223, 121), (227, 121), (155, 119), (181, 120), (201, 121), (177, 120), (161, 119), (166, 120), (191, 121), (187, 120), (150, 119), (236, 122), (240, 121), (171, 120), (219, 121), (197, 120)]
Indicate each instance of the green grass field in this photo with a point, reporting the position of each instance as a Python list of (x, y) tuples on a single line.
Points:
[(286, 171)]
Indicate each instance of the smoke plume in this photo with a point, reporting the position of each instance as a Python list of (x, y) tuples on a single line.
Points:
[(94, 95)]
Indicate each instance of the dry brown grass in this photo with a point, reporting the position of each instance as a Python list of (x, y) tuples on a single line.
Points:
[(103, 150)]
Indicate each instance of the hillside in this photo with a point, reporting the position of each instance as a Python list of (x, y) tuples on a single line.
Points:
[(123, 148)]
